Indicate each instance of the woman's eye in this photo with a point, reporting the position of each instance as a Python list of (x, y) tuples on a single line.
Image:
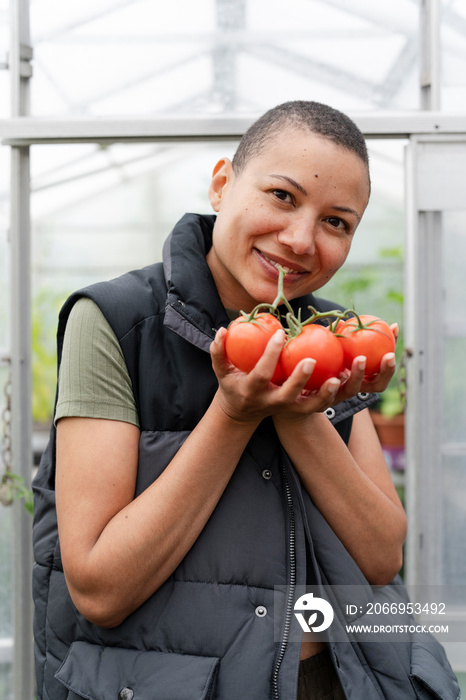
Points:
[(283, 196), (336, 222)]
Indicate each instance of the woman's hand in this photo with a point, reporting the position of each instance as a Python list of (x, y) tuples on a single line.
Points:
[(355, 381), (251, 397)]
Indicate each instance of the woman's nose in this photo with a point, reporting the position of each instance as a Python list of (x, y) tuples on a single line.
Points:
[(299, 237)]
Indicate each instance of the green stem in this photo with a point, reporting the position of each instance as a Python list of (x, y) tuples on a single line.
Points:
[(334, 313), (273, 307), (281, 298)]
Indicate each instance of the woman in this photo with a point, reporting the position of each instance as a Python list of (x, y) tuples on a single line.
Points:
[(188, 491)]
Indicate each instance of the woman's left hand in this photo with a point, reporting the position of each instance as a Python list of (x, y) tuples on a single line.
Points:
[(355, 381)]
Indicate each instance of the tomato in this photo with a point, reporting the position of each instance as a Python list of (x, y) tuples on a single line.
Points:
[(373, 341), (319, 343), (246, 341)]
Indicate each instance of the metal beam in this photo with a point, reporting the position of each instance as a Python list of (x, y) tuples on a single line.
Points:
[(379, 14), (430, 54), (21, 418), (310, 68), (397, 75), (21, 373), (24, 131)]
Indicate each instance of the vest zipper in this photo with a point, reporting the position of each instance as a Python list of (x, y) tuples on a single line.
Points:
[(290, 594)]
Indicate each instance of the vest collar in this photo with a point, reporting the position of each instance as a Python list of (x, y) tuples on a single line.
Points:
[(193, 309)]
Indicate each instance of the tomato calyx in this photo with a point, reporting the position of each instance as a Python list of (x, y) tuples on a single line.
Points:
[(296, 326), (359, 325), (254, 316), (309, 339)]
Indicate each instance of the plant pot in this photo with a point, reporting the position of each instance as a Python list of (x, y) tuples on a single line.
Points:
[(391, 430)]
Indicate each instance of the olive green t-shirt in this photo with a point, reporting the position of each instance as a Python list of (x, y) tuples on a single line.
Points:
[(93, 379)]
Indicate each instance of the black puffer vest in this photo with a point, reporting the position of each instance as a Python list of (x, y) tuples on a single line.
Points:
[(221, 625)]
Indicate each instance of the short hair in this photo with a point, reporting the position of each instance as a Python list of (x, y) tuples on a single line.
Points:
[(315, 117)]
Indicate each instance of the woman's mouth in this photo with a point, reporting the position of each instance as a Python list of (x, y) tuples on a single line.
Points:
[(277, 263)]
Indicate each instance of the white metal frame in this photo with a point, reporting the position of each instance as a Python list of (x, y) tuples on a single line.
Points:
[(423, 285), (21, 372), (431, 191), (26, 131)]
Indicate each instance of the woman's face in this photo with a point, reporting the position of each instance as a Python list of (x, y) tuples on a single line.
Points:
[(297, 204)]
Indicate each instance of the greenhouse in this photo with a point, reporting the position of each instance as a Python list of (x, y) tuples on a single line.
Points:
[(113, 114)]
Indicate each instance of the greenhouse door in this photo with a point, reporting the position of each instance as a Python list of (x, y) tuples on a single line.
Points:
[(435, 321)]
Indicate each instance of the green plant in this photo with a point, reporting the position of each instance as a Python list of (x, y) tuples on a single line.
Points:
[(44, 314), (45, 307), (392, 401), (12, 487)]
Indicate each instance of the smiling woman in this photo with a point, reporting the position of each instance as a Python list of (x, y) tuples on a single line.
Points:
[(306, 228), (187, 489)]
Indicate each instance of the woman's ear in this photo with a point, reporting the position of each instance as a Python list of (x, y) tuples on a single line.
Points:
[(221, 177)]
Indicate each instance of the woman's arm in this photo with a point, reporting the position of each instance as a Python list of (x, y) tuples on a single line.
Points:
[(352, 488), (117, 550)]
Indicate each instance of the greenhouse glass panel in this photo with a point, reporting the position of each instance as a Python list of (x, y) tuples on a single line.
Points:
[(454, 409), (454, 224), (454, 524), (102, 57), (453, 52), (4, 48), (97, 213)]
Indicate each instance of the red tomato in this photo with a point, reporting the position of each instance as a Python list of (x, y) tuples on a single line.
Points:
[(319, 343), (373, 342), (246, 341)]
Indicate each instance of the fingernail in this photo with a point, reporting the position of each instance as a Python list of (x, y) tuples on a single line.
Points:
[(391, 360), (278, 336), (333, 386), (361, 362), (308, 366)]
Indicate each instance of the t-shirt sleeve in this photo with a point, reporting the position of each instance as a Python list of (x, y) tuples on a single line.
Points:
[(93, 379)]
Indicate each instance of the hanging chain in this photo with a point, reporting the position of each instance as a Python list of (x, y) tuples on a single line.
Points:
[(407, 353), (12, 485), (6, 494)]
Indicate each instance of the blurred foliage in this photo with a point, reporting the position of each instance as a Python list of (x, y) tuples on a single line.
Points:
[(13, 487), (45, 307)]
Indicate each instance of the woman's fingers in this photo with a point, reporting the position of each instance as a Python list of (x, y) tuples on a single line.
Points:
[(258, 391), (357, 381), (380, 381), (265, 367), (219, 359)]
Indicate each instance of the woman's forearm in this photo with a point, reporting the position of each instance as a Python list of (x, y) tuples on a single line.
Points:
[(352, 488)]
